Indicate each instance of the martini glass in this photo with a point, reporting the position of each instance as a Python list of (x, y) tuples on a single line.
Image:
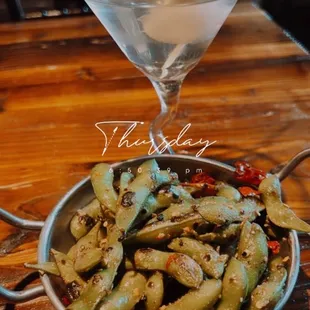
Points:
[(164, 39)]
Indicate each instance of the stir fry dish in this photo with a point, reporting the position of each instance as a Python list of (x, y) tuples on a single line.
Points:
[(151, 241)]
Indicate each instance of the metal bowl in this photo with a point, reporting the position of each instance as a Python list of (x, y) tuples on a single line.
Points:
[(56, 233)]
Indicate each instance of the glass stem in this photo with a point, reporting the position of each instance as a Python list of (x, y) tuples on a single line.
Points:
[(169, 95)]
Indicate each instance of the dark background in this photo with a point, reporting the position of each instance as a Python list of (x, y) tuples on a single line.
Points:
[(292, 15)]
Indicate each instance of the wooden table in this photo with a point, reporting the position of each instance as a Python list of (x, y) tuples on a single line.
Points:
[(250, 93)]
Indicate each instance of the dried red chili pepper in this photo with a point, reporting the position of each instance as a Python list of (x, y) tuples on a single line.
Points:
[(248, 174), (247, 191), (202, 177), (65, 300), (274, 246)]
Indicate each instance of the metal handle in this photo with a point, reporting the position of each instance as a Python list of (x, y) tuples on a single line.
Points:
[(283, 170), (21, 296)]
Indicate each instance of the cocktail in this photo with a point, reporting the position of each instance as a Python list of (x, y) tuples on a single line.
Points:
[(164, 39)]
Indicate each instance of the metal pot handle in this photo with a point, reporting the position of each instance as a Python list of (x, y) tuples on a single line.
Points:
[(21, 296), (283, 170)]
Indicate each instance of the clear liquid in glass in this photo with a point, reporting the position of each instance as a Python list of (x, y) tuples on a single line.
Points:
[(165, 40)]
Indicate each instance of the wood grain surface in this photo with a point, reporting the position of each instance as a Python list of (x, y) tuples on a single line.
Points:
[(250, 93)]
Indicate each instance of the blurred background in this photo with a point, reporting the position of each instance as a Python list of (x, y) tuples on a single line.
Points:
[(292, 15)]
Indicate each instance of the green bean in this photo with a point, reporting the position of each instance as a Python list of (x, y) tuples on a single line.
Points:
[(85, 219), (162, 231), (180, 266), (131, 202), (96, 289), (279, 213), (222, 235), (210, 261), (70, 277), (127, 294), (47, 267), (202, 298), (227, 191), (102, 180), (253, 252), (267, 295), (154, 291), (249, 209), (235, 286), (88, 255)]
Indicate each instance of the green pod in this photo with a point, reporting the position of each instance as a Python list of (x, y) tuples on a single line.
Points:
[(253, 252), (267, 295), (181, 267), (222, 235), (161, 231), (249, 209), (164, 198), (101, 283), (210, 261), (96, 289), (279, 213), (125, 179), (72, 252), (219, 214), (88, 255), (131, 202), (235, 286), (189, 205), (227, 191), (70, 277), (127, 294), (202, 298), (47, 267), (154, 291), (102, 177), (85, 219), (113, 251)]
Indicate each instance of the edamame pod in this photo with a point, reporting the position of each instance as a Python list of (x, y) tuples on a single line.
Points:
[(125, 180), (102, 180), (70, 277), (159, 231), (235, 286), (154, 291), (101, 283), (210, 261), (249, 209), (127, 294), (202, 298), (88, 255), (253, 252), (97, 288), (189, 205), (164, 198), (85, 219), (279, 213), (180, 266), (47, 267), (267, 295), (131, 202), (222, 235), (227, 191)]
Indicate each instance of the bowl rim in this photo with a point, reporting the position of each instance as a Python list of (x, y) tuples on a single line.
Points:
[(43, 251)]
